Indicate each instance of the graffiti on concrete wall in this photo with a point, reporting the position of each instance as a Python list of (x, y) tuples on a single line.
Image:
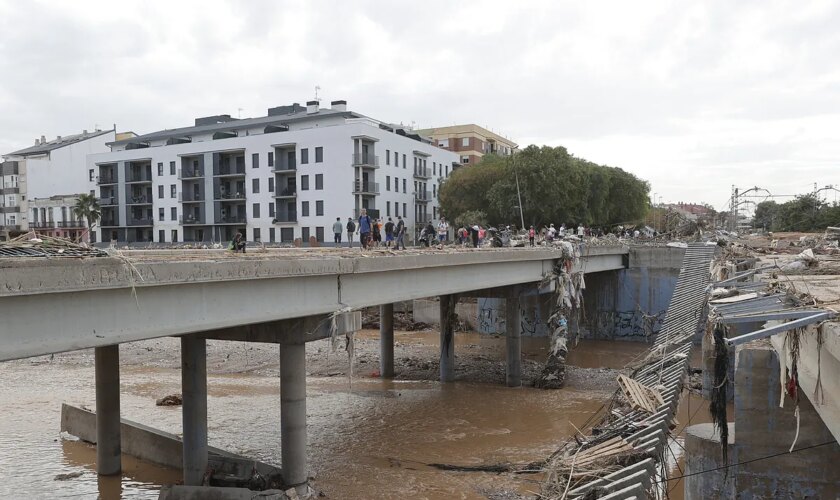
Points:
[(632, 324)]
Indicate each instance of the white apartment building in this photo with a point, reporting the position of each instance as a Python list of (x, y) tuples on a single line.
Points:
[(48, 169), (276, 178)]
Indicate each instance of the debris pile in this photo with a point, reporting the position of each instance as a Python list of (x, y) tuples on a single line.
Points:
[(32, 245)]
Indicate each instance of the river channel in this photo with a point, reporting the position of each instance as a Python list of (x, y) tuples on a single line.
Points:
[(368, 438)]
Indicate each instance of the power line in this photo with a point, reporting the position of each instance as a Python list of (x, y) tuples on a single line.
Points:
[(745, 462)]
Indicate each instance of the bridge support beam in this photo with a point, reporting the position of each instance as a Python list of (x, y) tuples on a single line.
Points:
[(194, 411), (447, 337), (107, 375), (513, 335), (386, 340), (293, 413)]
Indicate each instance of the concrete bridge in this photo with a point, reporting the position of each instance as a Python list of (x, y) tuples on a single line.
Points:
[(288, 298)]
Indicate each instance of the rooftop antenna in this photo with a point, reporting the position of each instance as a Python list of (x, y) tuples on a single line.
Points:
[(317, 88), (238, 112)]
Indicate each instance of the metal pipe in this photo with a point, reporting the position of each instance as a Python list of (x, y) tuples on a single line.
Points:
[(783, 327)]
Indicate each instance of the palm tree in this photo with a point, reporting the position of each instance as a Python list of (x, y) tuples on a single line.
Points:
[(87, 207)]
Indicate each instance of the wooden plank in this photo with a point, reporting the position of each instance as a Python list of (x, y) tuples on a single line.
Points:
[(639, 395)]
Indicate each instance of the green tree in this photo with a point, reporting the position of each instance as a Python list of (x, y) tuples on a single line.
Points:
[(87, 207), (765, 214)]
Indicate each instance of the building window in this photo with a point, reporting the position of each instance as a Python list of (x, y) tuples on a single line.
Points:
[(319, 154), (465, 141), (387, 183), (404, 190), (271, 184), (287, 234), (257, 236), (387, 208), (304, 156), (434, 213), (174, 236), (404, 162), (415, 162), (256, 210), (255, 160), (173, 191), (319, 207), (396, 159), (434, 190), (319, 181), (405, 210), (465, 159), (90, 175), (304, 235), (447, 171), (160, 191), (396, 209), (396, 184), (271, 235), (171, 168), (304, 208), (270, 159), (173, 214), (304, 183), (271, 210), (161, 236), (161, 214), (444, 143), (434, 168), (255, 186), (160, 168), (319, 234), (387, 158)]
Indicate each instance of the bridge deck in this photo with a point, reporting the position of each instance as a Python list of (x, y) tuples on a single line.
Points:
[(54, 305)]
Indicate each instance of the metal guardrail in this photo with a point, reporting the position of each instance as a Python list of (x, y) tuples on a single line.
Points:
[(365, 160)]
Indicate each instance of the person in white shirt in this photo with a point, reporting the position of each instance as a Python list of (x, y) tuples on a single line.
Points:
[(580, 230), (442, 229)]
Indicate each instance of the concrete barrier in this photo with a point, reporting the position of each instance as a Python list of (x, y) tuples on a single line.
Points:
[(702, 453), (158, 447)]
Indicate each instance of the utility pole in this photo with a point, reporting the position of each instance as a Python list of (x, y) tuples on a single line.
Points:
[(518, 193)]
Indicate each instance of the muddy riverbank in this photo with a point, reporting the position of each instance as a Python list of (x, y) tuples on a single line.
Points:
[(371, 438)]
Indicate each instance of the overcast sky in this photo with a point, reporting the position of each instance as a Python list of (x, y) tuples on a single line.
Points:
[(691, 96)]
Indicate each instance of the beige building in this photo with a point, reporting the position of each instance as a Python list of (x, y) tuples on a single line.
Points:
[(471, 142)]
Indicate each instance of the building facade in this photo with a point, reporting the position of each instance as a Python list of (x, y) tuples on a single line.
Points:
[(54, 216), (56, 168), (470, 142), (276, 178)]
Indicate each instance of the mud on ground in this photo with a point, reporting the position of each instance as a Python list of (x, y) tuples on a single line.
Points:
[(412, 360)]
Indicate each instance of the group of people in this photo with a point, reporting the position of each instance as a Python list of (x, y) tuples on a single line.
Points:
[(370, 231)]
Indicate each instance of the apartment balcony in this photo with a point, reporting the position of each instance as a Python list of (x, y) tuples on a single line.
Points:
[(373, 213), (139, 177), (108, 223), (42, 225), (10, 208), (139, 200), (287, 167), (192, 221), (142, 221), (190, 197), (286, 193), (106, 179), (423, 196), (109, 201), (365, 160), (230, 219), (422, 173), (10, 190), (71, 224), (10, 228), (366, 188), (231, 171), (190, 173), (287, 218), (227, 196)]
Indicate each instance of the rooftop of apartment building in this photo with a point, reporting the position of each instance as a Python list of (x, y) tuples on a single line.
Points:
[(277, 119), (43, 146), (466, 130)]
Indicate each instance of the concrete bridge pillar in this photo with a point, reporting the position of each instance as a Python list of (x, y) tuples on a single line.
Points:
[(194, 411), (293, 412), (107, 375), (386, 340), (447, 337), (513, 334)]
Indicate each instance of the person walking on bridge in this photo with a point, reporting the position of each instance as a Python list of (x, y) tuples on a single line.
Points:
[(338, 228), (389, 233), (400, 230), (351, 230), (365, 226)]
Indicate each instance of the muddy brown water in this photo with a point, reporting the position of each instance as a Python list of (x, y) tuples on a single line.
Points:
[(373, 439)]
